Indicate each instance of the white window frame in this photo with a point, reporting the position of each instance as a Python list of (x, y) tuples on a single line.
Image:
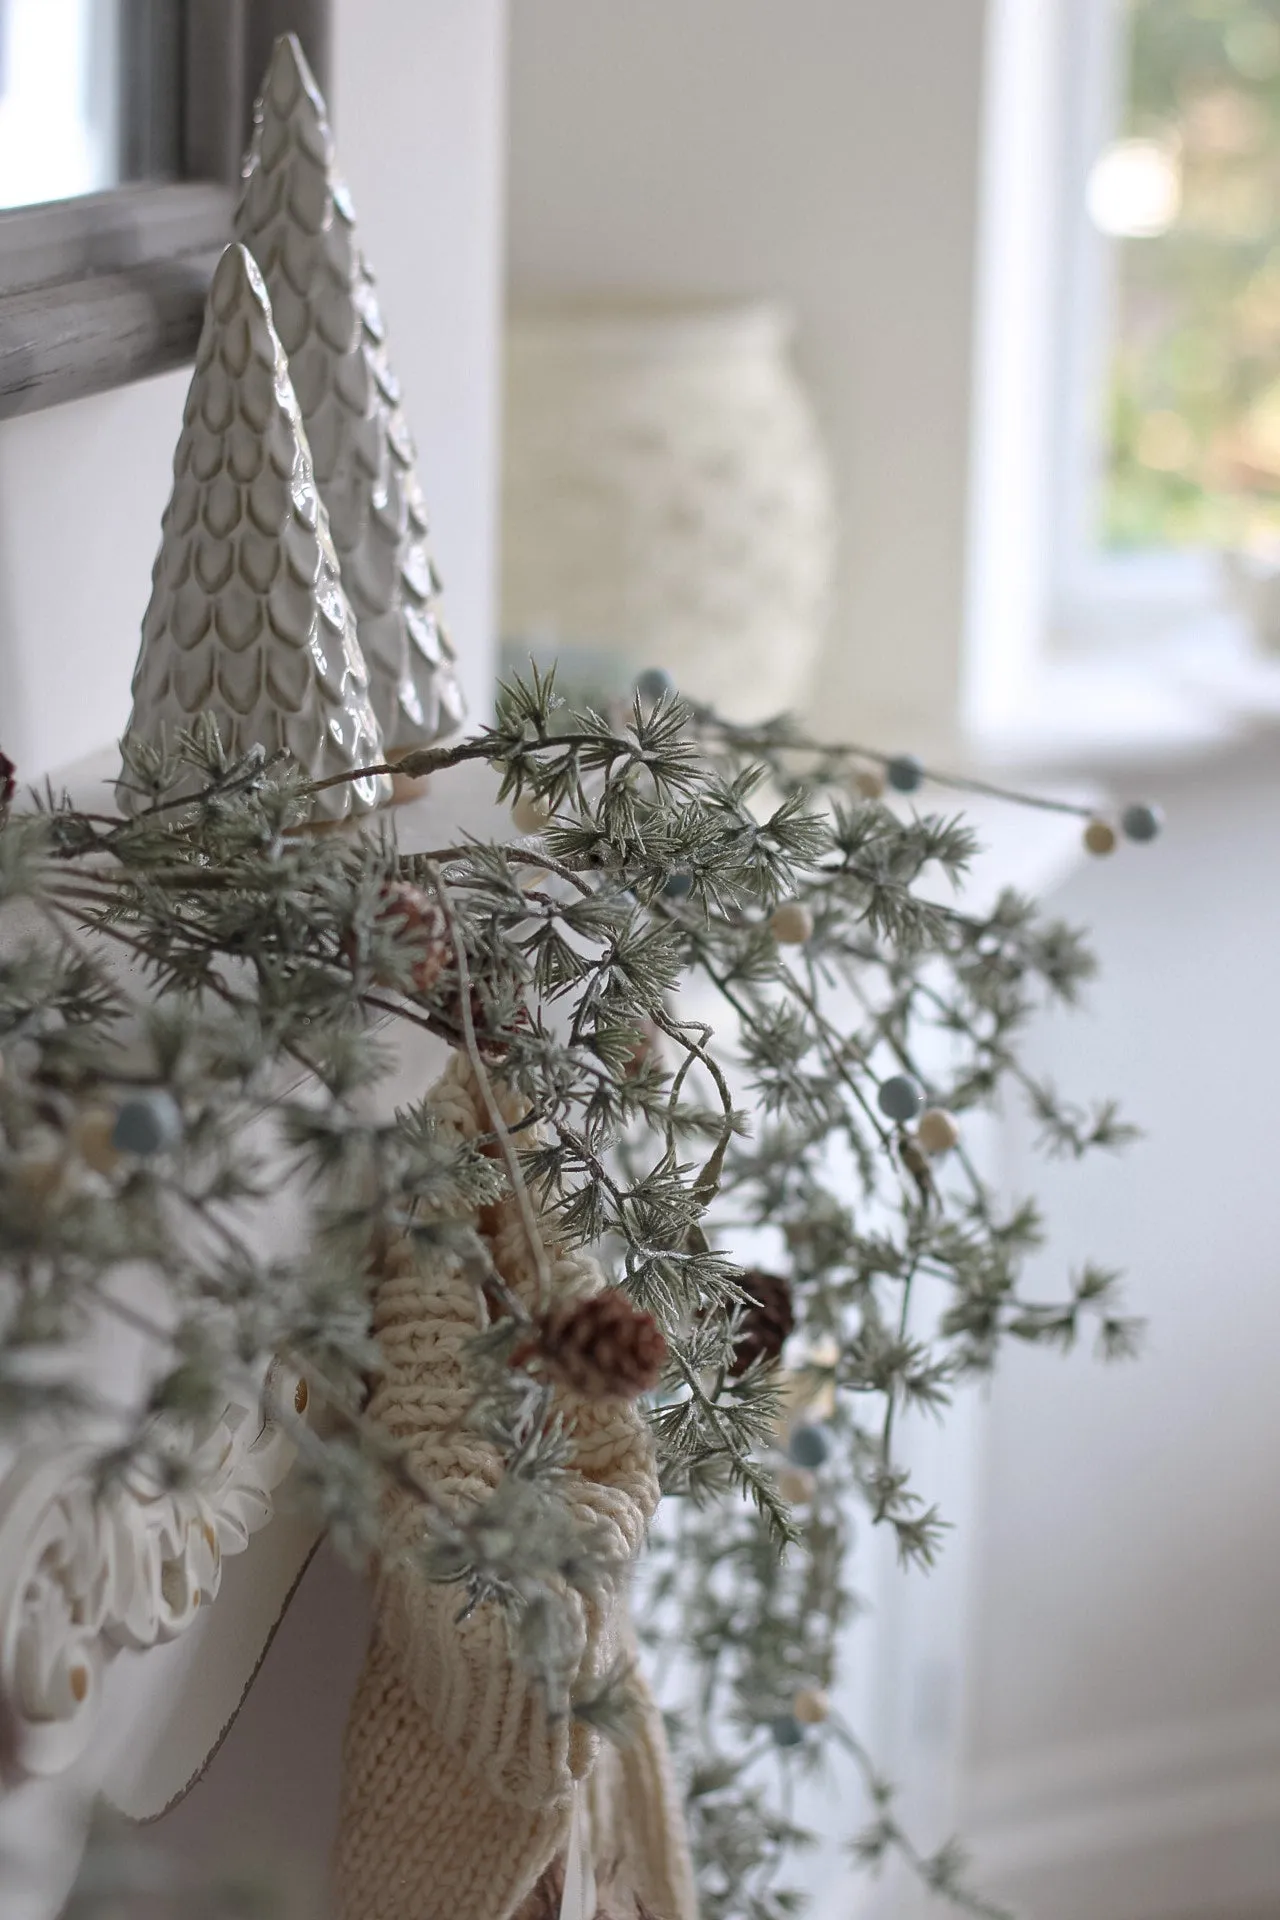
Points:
[(1098, 598), (1069, 653), (109, 288)]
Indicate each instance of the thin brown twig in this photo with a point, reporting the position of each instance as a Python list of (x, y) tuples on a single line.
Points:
[(749, 740), (707, 1184), (415, 766), (520, 855), (506, 1147)]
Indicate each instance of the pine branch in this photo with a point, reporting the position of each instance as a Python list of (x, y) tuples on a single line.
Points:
[(282, 976)]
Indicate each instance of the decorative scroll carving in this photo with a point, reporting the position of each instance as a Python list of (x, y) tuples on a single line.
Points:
[(86, 1571)]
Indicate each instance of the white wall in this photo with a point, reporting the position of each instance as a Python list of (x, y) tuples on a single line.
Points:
[(825, 151), (1124, 1753), (82, 488), (419, 115)]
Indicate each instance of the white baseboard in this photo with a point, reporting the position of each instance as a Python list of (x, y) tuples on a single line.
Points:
[(1173, 1820)]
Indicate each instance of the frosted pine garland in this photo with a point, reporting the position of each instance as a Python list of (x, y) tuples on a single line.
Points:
[(271, 949)]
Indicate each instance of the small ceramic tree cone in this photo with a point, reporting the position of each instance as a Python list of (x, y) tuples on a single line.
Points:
[(248, 621), (296, 218)]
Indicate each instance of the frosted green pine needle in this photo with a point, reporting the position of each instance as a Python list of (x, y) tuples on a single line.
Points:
[(692, 1084)]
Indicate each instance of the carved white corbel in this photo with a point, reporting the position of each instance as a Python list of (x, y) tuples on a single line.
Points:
[(86, 1571)]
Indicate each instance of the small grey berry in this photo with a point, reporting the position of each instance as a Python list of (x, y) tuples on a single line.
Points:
[(654, 684), (1142, 822), (147, 1124), (900, 1098), (808, 1447), (904, 773)]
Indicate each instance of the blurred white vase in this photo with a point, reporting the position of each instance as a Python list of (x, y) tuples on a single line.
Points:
[(666, 501)]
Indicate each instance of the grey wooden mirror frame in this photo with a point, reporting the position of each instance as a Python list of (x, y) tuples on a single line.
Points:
[(106, 289)]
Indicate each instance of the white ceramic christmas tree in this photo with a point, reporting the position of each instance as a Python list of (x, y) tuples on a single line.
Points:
[(248, 620), (296, 218)]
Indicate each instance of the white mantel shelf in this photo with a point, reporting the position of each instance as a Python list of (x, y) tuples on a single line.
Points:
[(1183, 698)]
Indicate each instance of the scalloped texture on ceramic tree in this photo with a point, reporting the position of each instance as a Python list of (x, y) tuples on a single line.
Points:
[(296, 217), (248, 619)]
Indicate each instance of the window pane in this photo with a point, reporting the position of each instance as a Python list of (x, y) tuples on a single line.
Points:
[(89, 95), (1191, 191)]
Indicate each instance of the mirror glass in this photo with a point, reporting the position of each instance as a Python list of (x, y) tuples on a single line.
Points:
[(90, 96)]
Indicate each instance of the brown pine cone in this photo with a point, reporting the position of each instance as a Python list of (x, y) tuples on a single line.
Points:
[(765, 1324), (604, 1348), (424, 925), (491, 1046)]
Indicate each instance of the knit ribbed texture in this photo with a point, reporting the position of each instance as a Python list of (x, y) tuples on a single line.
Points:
[(458, 1788)]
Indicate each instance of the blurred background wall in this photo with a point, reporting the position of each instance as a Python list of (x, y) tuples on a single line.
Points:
[(825, 153)]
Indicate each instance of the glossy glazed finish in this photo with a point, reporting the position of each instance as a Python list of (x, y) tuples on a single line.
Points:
[(248, 619), (296, 217)]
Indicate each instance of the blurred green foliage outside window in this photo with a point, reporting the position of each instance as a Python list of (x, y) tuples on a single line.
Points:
[(1190, 191)]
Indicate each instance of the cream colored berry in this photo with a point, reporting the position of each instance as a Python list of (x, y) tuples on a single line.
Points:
[(937, 1130), (531, 813), (797, 1486), (1100, 837), (91, 1135), (791, 924), (870, 783), (811, 1707)]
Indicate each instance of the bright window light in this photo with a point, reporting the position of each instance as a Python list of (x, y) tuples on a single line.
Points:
[(58, 131), (1135, 190)]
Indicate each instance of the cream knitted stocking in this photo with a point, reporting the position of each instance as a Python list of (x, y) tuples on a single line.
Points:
[(458, 1787)]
